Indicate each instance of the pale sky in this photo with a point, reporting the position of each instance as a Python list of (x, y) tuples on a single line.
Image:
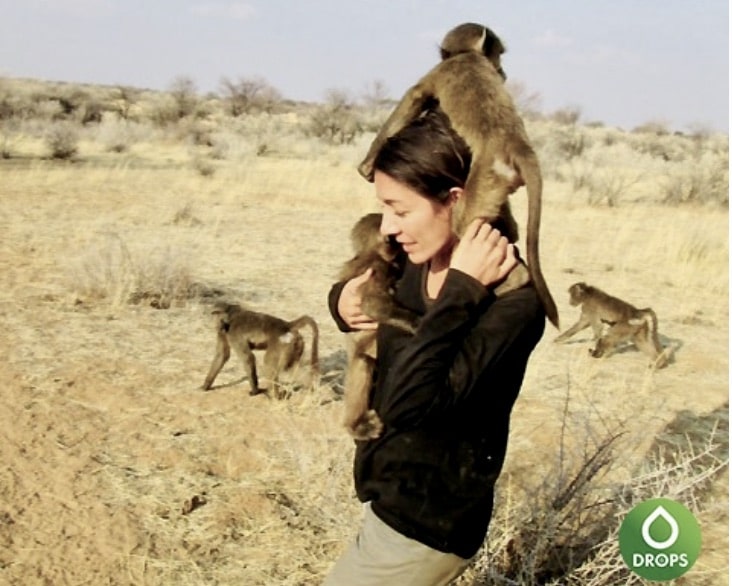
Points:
[(621, 62)]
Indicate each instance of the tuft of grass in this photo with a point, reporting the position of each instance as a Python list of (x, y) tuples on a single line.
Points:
[(109, 271)]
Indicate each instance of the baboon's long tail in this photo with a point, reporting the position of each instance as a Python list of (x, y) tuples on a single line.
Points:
[(306, 320), (531, 174), (650, 316)]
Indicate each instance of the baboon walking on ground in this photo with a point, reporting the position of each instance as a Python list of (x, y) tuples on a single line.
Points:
[(626, 323), (467, 85), (246, 331), (372, 251)]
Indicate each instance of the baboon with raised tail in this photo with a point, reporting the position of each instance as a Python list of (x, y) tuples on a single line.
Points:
[(246, 331)]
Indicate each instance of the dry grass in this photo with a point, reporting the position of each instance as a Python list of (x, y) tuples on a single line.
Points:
[(119, 470)]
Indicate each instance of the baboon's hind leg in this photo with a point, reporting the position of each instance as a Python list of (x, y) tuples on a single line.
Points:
[(281, 357), (220, 357), (617, 333), (649, 344), (360, 421), (245, 354)]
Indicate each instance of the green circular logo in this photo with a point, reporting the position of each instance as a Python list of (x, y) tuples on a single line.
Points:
[(660, 539)]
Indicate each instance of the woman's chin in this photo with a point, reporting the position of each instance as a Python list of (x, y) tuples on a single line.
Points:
[(416, 258)]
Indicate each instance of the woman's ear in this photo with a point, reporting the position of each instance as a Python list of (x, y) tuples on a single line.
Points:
[(455, 194)]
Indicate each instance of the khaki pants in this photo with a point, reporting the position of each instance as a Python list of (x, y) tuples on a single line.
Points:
[(381, 556)]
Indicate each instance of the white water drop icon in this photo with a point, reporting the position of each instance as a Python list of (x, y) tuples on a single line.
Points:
[(660, 513)]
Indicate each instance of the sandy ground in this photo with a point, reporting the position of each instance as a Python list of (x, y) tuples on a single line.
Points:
[(117, 469)]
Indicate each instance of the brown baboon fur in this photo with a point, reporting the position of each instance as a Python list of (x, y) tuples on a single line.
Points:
[(246, 330), (626, 323), (468, 87), (374, 251)]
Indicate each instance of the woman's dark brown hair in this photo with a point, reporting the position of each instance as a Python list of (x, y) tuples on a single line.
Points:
[(426, 155)]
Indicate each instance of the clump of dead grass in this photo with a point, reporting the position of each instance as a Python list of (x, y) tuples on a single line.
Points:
[(563, 528), (109, 271)]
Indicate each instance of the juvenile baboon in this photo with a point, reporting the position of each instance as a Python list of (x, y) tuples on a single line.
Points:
[(246, 330), (467, 85), (626, 323), (372, 250)]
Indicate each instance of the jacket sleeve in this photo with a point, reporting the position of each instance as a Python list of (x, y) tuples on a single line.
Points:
[(333, 296), (467, 341)]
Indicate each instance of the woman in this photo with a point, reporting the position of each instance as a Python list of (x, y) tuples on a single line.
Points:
[(445, 393)]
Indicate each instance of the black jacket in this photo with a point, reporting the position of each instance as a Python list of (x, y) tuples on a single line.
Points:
[(445, 396)]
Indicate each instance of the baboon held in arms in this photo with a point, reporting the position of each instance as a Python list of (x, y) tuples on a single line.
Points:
[(626, 323), (246, 330), (467, 85), (374, 251)]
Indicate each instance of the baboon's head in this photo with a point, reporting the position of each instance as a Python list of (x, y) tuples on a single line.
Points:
[(366, 237), (470, 36), (577, 293)]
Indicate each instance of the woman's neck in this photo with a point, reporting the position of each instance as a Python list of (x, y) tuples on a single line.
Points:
[(437, 270)]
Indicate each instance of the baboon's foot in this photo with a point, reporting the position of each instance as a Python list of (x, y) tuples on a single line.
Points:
[(366, 169), (368, 426), (281, 392), (662, 360), (517, 278)]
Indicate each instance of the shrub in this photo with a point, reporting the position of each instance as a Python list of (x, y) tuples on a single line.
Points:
[(110, 271), (116, 134), (63, 140), (565, 530), (336, 122), (183, 92), (249, 95), (8, 136), (203, 165), (656, 127), (568, 116), (606, 187), (705, 180)]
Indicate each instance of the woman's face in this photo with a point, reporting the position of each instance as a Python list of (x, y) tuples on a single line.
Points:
[(423, 226)]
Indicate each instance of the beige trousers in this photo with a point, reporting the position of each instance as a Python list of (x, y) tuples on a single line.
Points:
[(381, 556)]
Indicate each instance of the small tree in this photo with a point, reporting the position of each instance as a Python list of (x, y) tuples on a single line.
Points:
[(657, 127), (249, 95), (183, 91), (376, 95), (336, 121), (126, 98), (528, 103), (568, 116)]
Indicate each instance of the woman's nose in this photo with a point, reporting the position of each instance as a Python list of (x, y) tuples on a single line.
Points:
[(388, 225)]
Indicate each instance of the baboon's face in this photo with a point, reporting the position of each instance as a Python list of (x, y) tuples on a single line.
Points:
[(496, 60), (493, 49), (576, 294), (384, 246)]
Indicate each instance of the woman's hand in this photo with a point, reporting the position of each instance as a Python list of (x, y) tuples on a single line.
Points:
[(349, 304), (484, 254)]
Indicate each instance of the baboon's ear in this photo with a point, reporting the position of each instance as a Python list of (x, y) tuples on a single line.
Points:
[(490, 45)]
